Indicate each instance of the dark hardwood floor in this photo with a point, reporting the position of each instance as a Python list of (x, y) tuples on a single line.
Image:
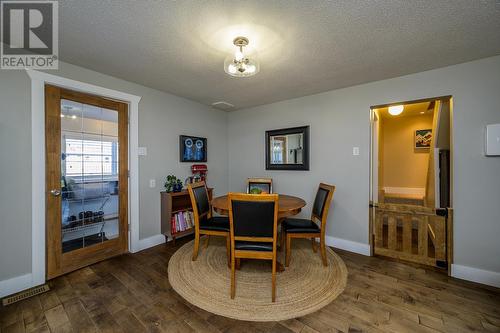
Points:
[(131, 293)]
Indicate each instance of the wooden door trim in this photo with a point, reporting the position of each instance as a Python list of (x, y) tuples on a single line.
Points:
[(52, 178), (59, 263), (38, 81)]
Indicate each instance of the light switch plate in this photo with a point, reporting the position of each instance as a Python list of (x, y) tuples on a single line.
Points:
[(355, 151), (152, 183), (142, 151), (493, 140)]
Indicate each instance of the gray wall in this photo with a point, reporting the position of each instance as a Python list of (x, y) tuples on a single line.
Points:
[(339, 120), (162, 118), (15, 174)]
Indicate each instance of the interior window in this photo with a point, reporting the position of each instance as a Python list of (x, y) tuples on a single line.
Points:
[(91, 157)]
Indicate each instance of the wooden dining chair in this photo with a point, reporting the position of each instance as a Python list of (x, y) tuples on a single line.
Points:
[(263, 184), (304, 228), (204, 221), (253, 227)]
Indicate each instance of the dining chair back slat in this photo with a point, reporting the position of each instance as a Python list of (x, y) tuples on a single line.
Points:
[(204, 222), (253, 218), (319, 203), (201, 198)]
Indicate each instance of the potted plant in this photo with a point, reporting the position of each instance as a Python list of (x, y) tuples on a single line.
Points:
[(173, 184)]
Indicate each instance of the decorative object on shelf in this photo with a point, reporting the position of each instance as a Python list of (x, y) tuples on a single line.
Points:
[(287, 149), (241, 64), (199, 174), (173, 184), (423, 138), (192, 149)]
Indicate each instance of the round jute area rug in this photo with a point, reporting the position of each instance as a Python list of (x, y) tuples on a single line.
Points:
[(304, 287)]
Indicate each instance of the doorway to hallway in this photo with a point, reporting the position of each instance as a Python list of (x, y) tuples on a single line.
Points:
[(410, 181)]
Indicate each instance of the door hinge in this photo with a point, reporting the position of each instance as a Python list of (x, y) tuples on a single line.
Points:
[(128, 173)]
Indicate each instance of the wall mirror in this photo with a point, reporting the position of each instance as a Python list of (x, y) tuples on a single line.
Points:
[(287, 149)]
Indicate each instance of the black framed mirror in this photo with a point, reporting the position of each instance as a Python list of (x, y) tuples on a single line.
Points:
[(287, 149)]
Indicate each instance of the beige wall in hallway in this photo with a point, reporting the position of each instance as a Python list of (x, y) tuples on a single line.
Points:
[(404, 166)]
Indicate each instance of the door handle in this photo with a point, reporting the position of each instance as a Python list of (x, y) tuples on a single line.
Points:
[(55, 193)]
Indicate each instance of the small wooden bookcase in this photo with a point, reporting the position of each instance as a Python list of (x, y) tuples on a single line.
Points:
[(172, 203)]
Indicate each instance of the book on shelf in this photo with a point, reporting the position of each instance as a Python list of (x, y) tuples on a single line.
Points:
[(182, 221)]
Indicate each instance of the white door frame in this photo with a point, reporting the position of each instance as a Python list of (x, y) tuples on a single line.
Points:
[(38, 82)]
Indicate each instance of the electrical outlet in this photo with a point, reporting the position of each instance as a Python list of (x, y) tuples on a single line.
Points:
[(152, 183), (355, 151)]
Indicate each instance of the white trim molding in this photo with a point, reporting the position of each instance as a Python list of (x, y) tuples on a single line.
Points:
[(16, 284), (420, 191), (146, 243), (38, 82), (476, 275), (347, 245)]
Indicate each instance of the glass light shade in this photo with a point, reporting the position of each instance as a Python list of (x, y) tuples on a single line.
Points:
[(244, 68), (231, 69), (238, 55), (396, 109)]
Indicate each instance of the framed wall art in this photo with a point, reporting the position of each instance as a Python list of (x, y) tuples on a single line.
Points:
[(192, 148)]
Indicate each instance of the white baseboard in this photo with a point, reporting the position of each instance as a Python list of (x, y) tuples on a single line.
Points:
[(420, 191), (16, 284), (476, 275), (150, 242), (348, 245)]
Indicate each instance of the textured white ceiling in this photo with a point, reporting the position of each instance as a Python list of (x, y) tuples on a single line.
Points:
[(305, 47)]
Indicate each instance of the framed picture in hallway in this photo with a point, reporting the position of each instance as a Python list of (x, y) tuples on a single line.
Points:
[(192, 149), (423, 138)]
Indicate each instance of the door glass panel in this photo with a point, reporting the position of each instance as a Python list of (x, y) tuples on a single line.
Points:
[(89, 169)]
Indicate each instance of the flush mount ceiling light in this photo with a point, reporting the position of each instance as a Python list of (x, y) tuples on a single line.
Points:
[(396, 109), (241, 64)]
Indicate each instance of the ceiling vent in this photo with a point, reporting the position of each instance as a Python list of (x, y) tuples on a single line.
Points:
[(223, 106)]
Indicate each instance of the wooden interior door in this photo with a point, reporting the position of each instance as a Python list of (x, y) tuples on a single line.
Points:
[(86, 140)]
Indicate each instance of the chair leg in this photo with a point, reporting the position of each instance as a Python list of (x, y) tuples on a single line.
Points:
[(207, 241), (288, 250), (238, 262), (228, 250), (274, 280), (196, 245), (233, 277), (323, 250), (313, 241), (282, 240)]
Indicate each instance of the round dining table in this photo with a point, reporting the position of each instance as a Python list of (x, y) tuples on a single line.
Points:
[(288, 205)]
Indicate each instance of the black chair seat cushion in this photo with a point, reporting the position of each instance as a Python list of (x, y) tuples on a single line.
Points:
[(295, 226), (253, 246), (215, 223)]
